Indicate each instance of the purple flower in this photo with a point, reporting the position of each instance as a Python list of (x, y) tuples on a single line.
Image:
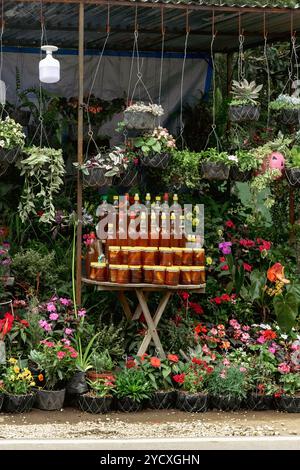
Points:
[(51, 307), (225, 247), (53, 316), (6, 245), (6, 262), (65, 302), (68, 331), (82, 312)]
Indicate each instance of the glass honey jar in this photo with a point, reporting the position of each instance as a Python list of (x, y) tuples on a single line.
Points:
[(149, 256), (172, 276), (114, 255), (198, 257), (166, 256), (123, 274), (177, 256), (124, 254), (198, 275), (113, 271), (185, 275), (187, 256), (159, 275), (148, 274), (134, 256), (100, 271), (92, 274), (136, 275)]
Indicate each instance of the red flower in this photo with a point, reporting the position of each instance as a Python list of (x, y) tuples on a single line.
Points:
[(225, 298), (229, 224), (39, 213), (179, 378), (143, 356), (155, 362), (209, 369), (197, 308), (222, 259), (197, 361), (200, 329), (247, 267), (173, 357), (6, 324), (216, 300), (247, 243), (225, 267), (25, 323), (278, 394), (130, 363), (264, 245), (177, 320), (269, 335), (185, 295)]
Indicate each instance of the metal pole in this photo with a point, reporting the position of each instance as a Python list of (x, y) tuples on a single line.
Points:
[(80, 150)]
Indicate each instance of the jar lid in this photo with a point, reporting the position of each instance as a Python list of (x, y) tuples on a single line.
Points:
[(134, 267), (121, 266), (150, 249), (124, 248), (134, 248), (167, 249), (197, 268), (185, 268), (199, 249), (177, 249), (113, 266), (173, 269), (114, 248), (187, 250), (159, 268), (95, 264), (148, 268)]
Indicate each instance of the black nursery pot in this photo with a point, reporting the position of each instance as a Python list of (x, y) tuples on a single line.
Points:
[(128, 405), (237, 175), (225, 403), (259, 402), (162, 400), (18, 403), (288, 404), (1, 400), (156, 160), (50, 400), (192, 402), (95, 405)]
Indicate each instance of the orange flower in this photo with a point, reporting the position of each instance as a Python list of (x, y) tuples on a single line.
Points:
[(173, 357), (40, 377), (143, 356), (225, 345), (276, 273), (155, 362)]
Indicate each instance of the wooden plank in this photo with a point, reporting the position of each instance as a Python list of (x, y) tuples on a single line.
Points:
[(124, 302), (138, 311), (150, 287)]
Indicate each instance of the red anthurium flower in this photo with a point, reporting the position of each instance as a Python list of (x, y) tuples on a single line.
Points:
[(276, 273)]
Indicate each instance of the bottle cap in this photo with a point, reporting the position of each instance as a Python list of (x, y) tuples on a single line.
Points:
[(175, 197), (136, 197), (110, 225), (148, 197), (104, 197), (158, 198), (163, 216), (173, 216), (116, 198), (166, 197)]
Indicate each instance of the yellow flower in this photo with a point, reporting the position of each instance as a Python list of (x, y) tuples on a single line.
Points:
[(12, 360), (196, 222), (32, 384), (12, 378), (16, 369), (209, 260)]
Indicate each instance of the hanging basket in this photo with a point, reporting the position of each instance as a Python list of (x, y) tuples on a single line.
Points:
[(50, 400), (244, 113), (256, 402), (162, 400), (9, 156), (129, 178), (215, 171), (288, 404), (128, 405), (96, 178), (95, 405), (192, 402), (139, 120), (156, 160), (225, 403), (290, 117), (293, 176), (18, 403), (236, 175)]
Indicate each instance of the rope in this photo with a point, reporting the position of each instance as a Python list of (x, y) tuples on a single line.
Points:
[(161, 69), (181, 87)]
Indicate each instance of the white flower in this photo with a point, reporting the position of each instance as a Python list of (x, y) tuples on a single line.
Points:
[(284, 336), (233, 158)]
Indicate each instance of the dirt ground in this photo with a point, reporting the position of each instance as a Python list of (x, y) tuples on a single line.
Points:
[(71, 423)]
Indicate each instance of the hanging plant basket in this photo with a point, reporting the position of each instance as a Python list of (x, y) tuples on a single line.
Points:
[(139, 120), (96, 178), (293, 176), (50, 400), (244, 113), (156, 160), (192, 402), (215, 171), (18, 403), (95, 405), (162, 400), (225, 403), (9, 156), (129, 178), (288, 404), (259, 402), (128, 405), (290, 116), (236, 175)]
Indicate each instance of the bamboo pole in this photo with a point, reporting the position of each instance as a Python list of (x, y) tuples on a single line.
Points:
[(80, 149)]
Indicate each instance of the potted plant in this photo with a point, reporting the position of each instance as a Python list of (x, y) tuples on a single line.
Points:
[(101, 366), (99, 398), (132, 389), (12, 140), (287, 108), (155, 148), (244, 105), (141, 116), (292, 170), (17, 385), (193, 396), (215, 165), (243, 165), (261, 373), (227, 387), (58, 360), (6, 324), (287, 398), (100, 169), (43, 169)]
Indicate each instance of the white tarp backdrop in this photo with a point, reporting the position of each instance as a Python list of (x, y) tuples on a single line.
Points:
[(112, 80)]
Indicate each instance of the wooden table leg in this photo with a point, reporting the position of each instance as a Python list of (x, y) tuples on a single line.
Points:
[(152, 322), (139, 311), (125, 305)]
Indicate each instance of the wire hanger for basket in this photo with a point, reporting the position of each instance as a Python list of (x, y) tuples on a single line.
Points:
[(293, 78), (267, 68), (187, 33), (241, 57), (163, 32)]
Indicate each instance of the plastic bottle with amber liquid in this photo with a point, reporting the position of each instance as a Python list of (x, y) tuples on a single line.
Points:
[(154, 230), (112, 239), (133, 235), (144, 230), (165, 231), (92, 254)]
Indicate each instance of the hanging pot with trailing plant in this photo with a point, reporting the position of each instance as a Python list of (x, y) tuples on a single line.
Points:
[(12, 140), (214, 171), (141, 116)]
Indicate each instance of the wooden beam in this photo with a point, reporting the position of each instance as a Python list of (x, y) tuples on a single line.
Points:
[(80, 150)]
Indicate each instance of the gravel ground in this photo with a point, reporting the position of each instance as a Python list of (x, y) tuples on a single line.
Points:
[(71, 423)]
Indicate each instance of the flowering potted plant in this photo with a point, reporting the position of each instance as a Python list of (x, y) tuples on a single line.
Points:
[(12, 140), (100, 169), (156, 148), (5, 326), (243, 165), (244, 105), (101, 366), (292, 170), (132, 388), (287, 108), (215, 165), (17, 384), (227, 386), (287, 397), (58, 361), (99, 398), (5, 261), (141, 116)]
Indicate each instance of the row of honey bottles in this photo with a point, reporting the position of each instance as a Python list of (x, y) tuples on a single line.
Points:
[(151, 256)]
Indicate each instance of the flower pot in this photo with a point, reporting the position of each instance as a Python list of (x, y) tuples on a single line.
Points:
[(259, 402), (162, 400), (9, 156), (93, 375), (192, 402), (244, 113), (288, 404), (1, 400), (128, 405), (96, 178), (77, 384), (50, 399), (293, 176), (236, 175), (139, 120), (2, 352), (18, 403), (215, 171), (6, 307), (156, 160), (225, 403), (95, 405), (129, 178), (290, 116)]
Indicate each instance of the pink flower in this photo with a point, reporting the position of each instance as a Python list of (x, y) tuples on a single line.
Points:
[(223, 374), (205, 349), (214, 331), (74, 354), (261, 340), (245, 337), (272, 350), (226, 362), (235, 324), (245, 328), (284, 368), (82, 312), (66, 341), (243, 369), (45, 325), (51, 307), (247, 267), (65, 302), (68, 331), (60, 355), (53, 316)]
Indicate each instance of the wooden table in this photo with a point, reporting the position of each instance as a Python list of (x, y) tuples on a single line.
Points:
[(142, 292)]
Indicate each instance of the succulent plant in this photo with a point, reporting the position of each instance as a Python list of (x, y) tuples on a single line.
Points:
[(246, 92)]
